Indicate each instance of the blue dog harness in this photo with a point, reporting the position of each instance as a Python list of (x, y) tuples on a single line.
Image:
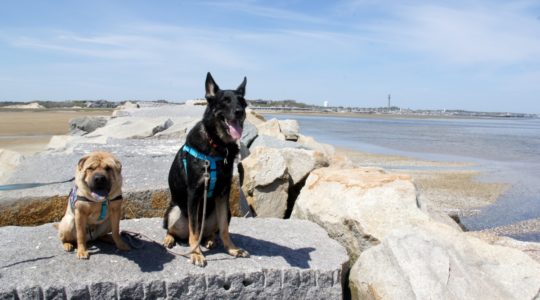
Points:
[(212, 160), (73, 198)]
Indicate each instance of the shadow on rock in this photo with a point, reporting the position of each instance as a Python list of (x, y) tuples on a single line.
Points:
[(299, 258), (149, 256), (27, 261)]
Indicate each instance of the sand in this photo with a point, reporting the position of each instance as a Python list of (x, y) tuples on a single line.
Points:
[(29, 131)]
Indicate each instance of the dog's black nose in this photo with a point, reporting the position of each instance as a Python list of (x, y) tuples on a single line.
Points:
[(100, 179), (239, 113)]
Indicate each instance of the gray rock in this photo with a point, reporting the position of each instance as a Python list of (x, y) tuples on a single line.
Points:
[(358, 207), (244, 151), (310, 143), (301, 162), (289, 259), (290, 129), (266, 182), (86, 124), (435, 261), (272, 142), (270, 201), (9, 160), (271, 128), (146, 163), (262, 167), (162, 127), (132, 127), (248, 134)]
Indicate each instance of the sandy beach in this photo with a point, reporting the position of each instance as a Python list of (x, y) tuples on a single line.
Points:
[(29, 131)]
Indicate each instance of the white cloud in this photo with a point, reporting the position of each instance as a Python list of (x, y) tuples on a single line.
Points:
[(499, 34)]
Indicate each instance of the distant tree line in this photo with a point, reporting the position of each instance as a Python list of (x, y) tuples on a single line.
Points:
[(279, 103)]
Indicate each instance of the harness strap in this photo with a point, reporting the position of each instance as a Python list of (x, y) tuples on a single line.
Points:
[(73, 198), (213, 165)]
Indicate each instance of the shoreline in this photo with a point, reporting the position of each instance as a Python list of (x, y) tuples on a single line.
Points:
[(450, 187), (383, 116)]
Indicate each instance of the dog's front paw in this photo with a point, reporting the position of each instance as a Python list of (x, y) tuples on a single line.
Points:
[(82, 254), (123, 246), (238, 252), (198, 259), (168, 241), (68, 247)]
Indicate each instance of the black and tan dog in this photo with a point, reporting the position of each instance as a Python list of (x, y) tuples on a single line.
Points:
[(212, 141), (95, 204)]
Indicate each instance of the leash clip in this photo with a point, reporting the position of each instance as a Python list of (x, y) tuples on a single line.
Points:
[(206, 174)]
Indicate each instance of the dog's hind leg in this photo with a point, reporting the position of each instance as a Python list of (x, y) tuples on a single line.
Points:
[(67, 233), (177, 227), (223, 218)]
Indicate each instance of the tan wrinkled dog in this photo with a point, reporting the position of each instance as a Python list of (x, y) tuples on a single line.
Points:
[(95, 204)]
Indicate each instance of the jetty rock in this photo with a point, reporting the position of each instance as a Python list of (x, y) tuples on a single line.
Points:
[(272, 177), (9, 160), (290, 259), (435, 261), (266, 182), (398, 251), (87, 124), (358, 207)]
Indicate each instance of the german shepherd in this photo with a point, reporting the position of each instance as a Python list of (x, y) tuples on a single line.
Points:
[(214, 138)]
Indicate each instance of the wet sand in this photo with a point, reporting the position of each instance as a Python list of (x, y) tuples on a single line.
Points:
[(29, 131)]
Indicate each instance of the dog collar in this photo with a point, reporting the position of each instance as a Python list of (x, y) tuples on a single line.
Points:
[(213, 165), (73, 198)]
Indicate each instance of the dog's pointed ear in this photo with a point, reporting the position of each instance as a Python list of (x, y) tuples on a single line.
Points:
[(211, 86), (241, 89), (81, 162)]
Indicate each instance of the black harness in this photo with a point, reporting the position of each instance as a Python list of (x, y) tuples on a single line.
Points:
[(73, 198)]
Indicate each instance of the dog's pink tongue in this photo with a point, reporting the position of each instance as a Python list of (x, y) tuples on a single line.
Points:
[(235, 130), (100, 196)]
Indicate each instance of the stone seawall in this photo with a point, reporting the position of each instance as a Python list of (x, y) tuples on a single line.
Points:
[(290, 259)]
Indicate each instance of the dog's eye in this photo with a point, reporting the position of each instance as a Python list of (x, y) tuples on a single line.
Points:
[(90, 169), (107, 168)]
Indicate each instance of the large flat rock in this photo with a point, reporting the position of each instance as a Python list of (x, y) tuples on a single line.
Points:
[(145, 169), (290, 259)]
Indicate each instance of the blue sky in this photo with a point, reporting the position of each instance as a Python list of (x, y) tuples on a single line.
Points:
[(475, 55)]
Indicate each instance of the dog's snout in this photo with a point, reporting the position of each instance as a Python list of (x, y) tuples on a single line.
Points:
[(100, 179), (239, 113)]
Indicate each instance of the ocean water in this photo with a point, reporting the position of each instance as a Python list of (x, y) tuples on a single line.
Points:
[(505, 150)]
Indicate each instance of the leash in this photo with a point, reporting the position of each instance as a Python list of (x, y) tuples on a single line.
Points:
[(22, 186), (131, 235)]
